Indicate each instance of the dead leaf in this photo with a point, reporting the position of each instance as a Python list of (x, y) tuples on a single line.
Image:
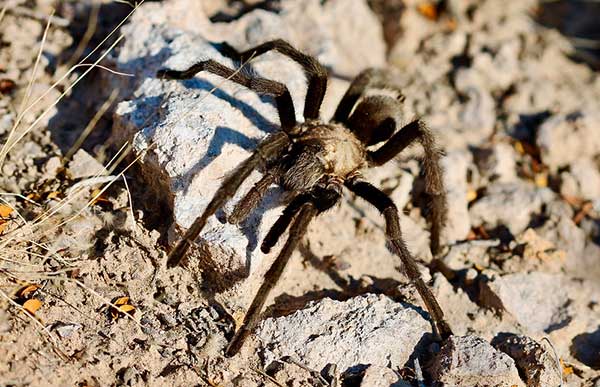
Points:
[(121, 301), (53, 195), (123, 307), (32, 306), (126, 308), (5, 211), (567, 369), (541, 180), (99, 197), (27, 291), (471, 195), (429, 10)]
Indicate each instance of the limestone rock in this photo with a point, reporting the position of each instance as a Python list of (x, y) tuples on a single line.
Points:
[(537, 364), (471, 361), (363, 330), (192, 133), (511, 205)]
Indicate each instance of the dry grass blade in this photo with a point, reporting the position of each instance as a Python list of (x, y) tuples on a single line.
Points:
[(8, 145), (87, 36), (92, 124), (8, 148), (49, 336)]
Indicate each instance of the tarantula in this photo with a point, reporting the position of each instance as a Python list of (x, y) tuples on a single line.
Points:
[(315, 160)]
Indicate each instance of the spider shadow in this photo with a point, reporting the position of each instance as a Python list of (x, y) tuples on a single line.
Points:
[(285, 304), (349, 287), (275, 197), (223, 134)]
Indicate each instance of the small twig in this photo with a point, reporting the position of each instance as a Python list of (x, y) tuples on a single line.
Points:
[(87, 36), (90, 182), (266, 376)]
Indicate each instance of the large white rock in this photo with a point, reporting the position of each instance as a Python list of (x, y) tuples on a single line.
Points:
[(364, 330)]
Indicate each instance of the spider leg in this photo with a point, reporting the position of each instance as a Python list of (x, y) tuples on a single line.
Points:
[(316, 73), (297, 230), (254, 196), (299, 213), (369, 78), (394, 234), (282, 223), (434, 184), (283, 99), (271, 146)]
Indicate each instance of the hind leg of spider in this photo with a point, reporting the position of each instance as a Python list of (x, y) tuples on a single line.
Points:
[(299, 213), (254, 196), (316, 73), (394, 234), (270, 147), (434, 184), (297, 230), (283, 99)]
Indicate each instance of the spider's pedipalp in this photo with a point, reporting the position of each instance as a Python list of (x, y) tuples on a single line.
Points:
[(271, 146), (394, 234)]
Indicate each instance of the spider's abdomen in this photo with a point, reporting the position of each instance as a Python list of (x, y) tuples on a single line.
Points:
[(323, 149)]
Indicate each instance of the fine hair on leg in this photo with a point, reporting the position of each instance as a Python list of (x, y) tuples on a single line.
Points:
[(316, 73), (282, 223), (283, 98), (270, 147), (394, 234), (297, 230), (253, 198), (434, 183), (369, 78)]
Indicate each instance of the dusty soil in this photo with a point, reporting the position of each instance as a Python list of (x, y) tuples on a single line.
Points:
[(83, 239)]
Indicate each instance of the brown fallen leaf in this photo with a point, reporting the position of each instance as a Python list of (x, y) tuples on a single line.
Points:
[(27, 291), (429, 10), (123, 307), (566, 369), (99, 197), (32, 305), (121, 301), (5, 211)]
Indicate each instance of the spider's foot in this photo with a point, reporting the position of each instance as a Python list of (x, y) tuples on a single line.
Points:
[(177, 254), (236, 343), (443, 330)]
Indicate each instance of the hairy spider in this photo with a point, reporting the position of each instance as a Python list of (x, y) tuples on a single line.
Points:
[(314, 160)]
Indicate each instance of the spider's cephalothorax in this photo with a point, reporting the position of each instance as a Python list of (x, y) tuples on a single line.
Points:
[(314, 160)]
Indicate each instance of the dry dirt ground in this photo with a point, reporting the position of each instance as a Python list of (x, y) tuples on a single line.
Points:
[(86, 298)]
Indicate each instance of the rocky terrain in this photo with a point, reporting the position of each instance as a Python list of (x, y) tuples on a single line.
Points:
[(104, 166)]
